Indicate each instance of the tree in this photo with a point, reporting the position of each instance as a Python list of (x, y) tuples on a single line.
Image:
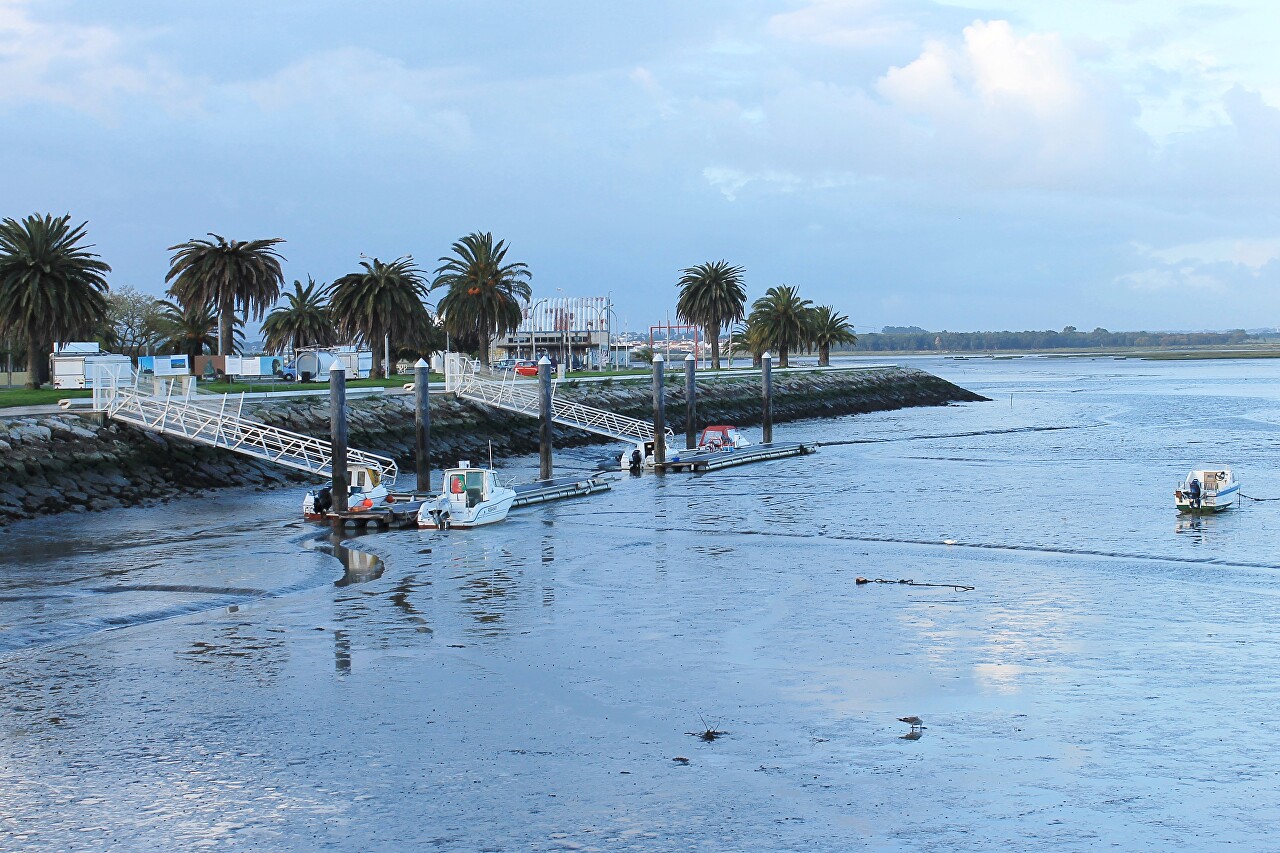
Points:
[(133, 323), (304, 320), (226, 275), (781, 319), (52, 288), (712, 296), (484, 291), (380, 300), (192, 331), (828, 328)]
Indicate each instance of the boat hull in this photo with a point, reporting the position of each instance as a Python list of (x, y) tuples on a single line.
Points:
[(488, 512), (1209, 504)]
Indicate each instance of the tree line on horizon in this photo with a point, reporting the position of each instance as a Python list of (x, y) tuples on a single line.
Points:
[(915, 339)]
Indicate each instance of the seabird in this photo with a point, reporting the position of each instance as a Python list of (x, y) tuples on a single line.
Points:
[(913, 721)]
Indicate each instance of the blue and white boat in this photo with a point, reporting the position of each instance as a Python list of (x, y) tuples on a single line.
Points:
[(1207, 490), (472, 497)]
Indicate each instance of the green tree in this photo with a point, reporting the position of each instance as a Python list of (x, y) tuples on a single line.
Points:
[(828, 328), (304, 320), (484, 290), (380, 300), (134, 322), (712, 296), (193, 331), (52, 288), (227, 275), (781, 321)]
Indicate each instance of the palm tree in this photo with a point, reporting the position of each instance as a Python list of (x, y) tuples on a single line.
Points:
[(51, 287), (303, 321), (484, 292), (382, 299), (192, 331), (827, 328), (227, 275), (712, 296), (782, 320)]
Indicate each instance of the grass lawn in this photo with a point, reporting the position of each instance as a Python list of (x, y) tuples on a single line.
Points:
[(39, 397)]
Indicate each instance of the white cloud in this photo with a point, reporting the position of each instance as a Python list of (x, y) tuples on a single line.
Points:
[(1254, 253)]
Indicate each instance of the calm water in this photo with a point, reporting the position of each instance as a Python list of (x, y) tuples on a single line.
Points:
[(207, 674)]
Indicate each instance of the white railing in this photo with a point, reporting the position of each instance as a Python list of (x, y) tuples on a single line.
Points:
[(466, 378), (174, 407)]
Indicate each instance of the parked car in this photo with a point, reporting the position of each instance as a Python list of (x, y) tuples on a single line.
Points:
[(503, 364), (526, 367)]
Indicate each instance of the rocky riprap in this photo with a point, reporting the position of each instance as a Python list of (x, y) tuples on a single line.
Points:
[(68, 463)]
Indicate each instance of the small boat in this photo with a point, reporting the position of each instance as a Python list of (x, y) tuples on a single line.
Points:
[(472, 497), (365, 490), (1207, 490), (713, 439)]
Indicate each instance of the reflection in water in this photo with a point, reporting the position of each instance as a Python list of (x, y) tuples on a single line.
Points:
[(360, 566), (341, 653), (1197, 528), (400, 598)]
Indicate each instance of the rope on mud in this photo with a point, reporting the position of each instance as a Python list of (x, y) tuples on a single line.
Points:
[(908, 582), (1252, 498)]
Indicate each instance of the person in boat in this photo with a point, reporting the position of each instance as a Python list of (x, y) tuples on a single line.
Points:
[(1194, 491)]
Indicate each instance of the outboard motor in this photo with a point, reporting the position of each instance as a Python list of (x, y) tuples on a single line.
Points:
[(637, 461), (324, 500)]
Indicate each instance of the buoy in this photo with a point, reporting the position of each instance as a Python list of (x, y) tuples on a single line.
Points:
[(366, 503)]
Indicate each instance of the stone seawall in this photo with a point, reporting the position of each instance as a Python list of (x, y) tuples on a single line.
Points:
[(67, 463)]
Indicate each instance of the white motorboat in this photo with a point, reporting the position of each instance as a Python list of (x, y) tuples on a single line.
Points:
[(712, 440), (365, 490), (472, 497), (1207, 490)]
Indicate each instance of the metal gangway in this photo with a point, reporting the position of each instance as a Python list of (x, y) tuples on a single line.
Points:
[(467, 379), (175, 406)]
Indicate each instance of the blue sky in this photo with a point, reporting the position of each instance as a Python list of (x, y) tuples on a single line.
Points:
[(1019, 164)]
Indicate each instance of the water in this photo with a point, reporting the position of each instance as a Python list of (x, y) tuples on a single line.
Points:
[(207, 674)]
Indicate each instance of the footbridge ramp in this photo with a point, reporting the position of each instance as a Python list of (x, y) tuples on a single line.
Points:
[(468, 380), (177, 407)]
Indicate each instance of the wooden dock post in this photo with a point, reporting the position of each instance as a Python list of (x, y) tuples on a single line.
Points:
[(422, 424), (766, 388), (659, 412), (545, 432), (690, 402), (338, 435)]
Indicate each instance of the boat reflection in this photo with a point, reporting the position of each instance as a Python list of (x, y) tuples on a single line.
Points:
[(1197, 527)]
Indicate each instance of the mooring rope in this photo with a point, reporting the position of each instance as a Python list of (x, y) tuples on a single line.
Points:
[(1252, 498), (907, 582)]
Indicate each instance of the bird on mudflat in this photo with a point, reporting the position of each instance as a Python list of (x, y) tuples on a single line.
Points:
[(913, 721)]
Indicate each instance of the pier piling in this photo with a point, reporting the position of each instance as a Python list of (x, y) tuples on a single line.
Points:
[(545, 433), (659, 412), (766, 389), (422, 424), (690, 402), (338, 435)]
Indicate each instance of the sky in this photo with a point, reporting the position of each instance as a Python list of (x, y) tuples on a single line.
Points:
[(1017, 164)]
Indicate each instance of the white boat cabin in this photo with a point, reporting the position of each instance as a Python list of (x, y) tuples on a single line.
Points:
[(1207, 490)]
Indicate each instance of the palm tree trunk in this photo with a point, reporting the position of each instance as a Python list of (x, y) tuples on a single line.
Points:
[(226, 326), (782, 357), (35, 375), (714, 335), (824, 355), (484, 350)]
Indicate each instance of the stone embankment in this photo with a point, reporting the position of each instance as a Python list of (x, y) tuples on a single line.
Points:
[(66, 463)]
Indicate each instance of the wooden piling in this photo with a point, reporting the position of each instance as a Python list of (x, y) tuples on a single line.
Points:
[(422, 424), (766, 388), (659, 411), (690, 402), (545, 430), (338, 435)]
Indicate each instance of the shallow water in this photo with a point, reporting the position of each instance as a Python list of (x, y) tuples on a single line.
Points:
[(207, 674)]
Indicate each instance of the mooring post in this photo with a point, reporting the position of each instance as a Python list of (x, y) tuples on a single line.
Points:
[(766, 387), (690, 402), (545, 433), (338, 435), (422, 424), (659, 412)]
